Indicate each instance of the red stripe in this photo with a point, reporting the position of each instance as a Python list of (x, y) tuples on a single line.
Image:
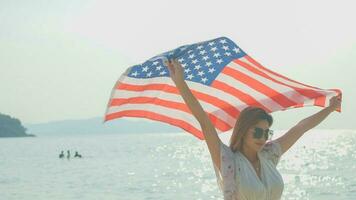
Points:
[(305, 92), (244, 97), (258, 86), (219, 124), (228, 108), (274, 73), (158, 117)]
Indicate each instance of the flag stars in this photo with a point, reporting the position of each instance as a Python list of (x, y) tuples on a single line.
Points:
[(149, 74), (187, 70), (223, 41), (163, 73), (197, 67), (155, 62), (213, 49), (205, 58), (184, 65), (236, 50), (201, 73), (134, 73), (191, 56), (219, 61), (194, 61), (204, 80), (211, 43), (190, 76), (216, 55), (159, 67), (202, 52), (225, 48), (181, 60), (211, 70), (200, 47), (227, 53), (145, 69), (208, 64)]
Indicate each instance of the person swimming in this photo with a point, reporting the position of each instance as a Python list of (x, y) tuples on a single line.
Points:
[(68, 154), (61, 155), (77, 155)]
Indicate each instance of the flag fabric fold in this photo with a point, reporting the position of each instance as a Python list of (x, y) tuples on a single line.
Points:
[(223, 78)]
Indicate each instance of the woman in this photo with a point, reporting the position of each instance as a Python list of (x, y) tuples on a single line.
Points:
[(247, 169)]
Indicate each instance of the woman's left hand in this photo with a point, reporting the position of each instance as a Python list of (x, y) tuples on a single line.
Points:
[(334, 103)]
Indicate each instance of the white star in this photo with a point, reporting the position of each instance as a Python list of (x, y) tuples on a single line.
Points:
[(191, 56), (202, 52), (187, 70), (227, 53), (211, 43), (145, 69), (214, 49), (159, 67), (237, 50), (219, 61), (134, 74), (190, 76), (208, 64), (225, 48), (205, 58), (200, 47), (155, 63), (216, 55), (181, 60), (222, 41), (211, 70), (194, 61), (190, 51), (162, 72), (149, 74), (183, 48), (201, 73), (204, 79), (197, 67), (184, 65)]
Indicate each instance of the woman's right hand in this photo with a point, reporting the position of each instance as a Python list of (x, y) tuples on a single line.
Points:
[(175, 71)]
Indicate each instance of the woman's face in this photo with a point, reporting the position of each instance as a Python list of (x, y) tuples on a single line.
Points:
[(256, 143)]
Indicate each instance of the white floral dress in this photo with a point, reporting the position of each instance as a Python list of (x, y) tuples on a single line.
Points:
[(238, 179)]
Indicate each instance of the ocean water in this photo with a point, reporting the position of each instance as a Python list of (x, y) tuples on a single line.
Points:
[(321, 165)]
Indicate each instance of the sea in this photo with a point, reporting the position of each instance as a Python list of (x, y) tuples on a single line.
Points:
[(172, 166)]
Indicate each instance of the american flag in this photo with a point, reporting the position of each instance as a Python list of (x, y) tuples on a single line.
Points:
[(221, 76)]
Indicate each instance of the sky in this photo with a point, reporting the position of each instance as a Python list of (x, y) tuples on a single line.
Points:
[(60, 59)]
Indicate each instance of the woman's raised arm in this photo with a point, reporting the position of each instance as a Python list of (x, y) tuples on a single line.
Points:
[(208, 129), (289, 138)]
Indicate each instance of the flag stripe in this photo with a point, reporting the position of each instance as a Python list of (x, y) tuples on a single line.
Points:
[(260, 97), (220, 124), (157, 117), (258, 86), (174, 98), (278, 75), (307, 93), (228, 108)]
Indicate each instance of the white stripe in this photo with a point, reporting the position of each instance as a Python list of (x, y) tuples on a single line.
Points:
[(210, 108), (278, 78), (288, 92), (226, 97), (171, 113), (260, 97)]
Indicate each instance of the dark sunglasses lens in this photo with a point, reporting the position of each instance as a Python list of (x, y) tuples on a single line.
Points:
[(258, 133)]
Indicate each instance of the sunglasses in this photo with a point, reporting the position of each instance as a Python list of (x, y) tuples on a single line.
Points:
[(259, 132)]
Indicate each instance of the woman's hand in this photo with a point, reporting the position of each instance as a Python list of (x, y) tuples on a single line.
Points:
[(334, 103), (175, 71)]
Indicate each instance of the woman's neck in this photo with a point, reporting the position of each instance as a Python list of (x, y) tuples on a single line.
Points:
[(250, 154)]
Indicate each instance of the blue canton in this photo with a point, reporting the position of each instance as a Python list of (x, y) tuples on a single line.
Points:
[(202, 62)]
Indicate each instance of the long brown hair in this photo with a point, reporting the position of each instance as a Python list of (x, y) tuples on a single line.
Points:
[(249, 117)]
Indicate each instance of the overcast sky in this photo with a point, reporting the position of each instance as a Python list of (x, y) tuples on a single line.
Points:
[(60, 59)]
